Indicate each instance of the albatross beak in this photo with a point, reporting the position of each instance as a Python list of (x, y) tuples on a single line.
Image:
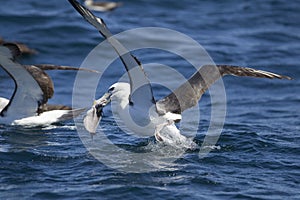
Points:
[(93, 115), (104, 100)]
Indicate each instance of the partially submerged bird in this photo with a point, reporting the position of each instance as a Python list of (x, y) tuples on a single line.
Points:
[(33, 87), (134, 103), (24, 49), (102, 6)]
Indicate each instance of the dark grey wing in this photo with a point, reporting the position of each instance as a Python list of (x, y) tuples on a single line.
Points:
[(190, 92), (44, 81), (61, 67), (49, 107), (14, 49), (71, 114), (27, 96), (25, 49), (141, 91)]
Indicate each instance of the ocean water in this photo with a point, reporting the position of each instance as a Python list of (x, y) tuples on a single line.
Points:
[(257, 154)]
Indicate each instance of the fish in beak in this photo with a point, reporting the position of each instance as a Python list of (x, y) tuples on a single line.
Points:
[(93, 115)]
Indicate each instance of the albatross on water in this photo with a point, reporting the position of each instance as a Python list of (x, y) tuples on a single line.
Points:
[(134, 102), (33, 87)]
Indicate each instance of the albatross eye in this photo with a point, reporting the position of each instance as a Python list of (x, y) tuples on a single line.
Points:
[(111, 89)]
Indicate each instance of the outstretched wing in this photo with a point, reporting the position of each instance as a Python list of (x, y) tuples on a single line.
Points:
[(44, 81), (141, 91), (190, 92), (23, 49), (27, 95), (62, 67)]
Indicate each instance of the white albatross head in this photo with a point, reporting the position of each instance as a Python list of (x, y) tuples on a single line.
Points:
[(118, 94)]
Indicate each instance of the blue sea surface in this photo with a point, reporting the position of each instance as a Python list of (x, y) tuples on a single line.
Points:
[(257, 154)]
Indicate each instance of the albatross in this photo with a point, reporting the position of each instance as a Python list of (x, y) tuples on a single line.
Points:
[(102, 6), (134, 102), (33, 87)]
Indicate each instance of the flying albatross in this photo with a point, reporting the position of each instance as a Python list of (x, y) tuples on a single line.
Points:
[(33, 87), (134, 103), (102, 6)]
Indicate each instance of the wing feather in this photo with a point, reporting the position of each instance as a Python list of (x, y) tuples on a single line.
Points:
[(189, 93), (27, 96), (139, 83)]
